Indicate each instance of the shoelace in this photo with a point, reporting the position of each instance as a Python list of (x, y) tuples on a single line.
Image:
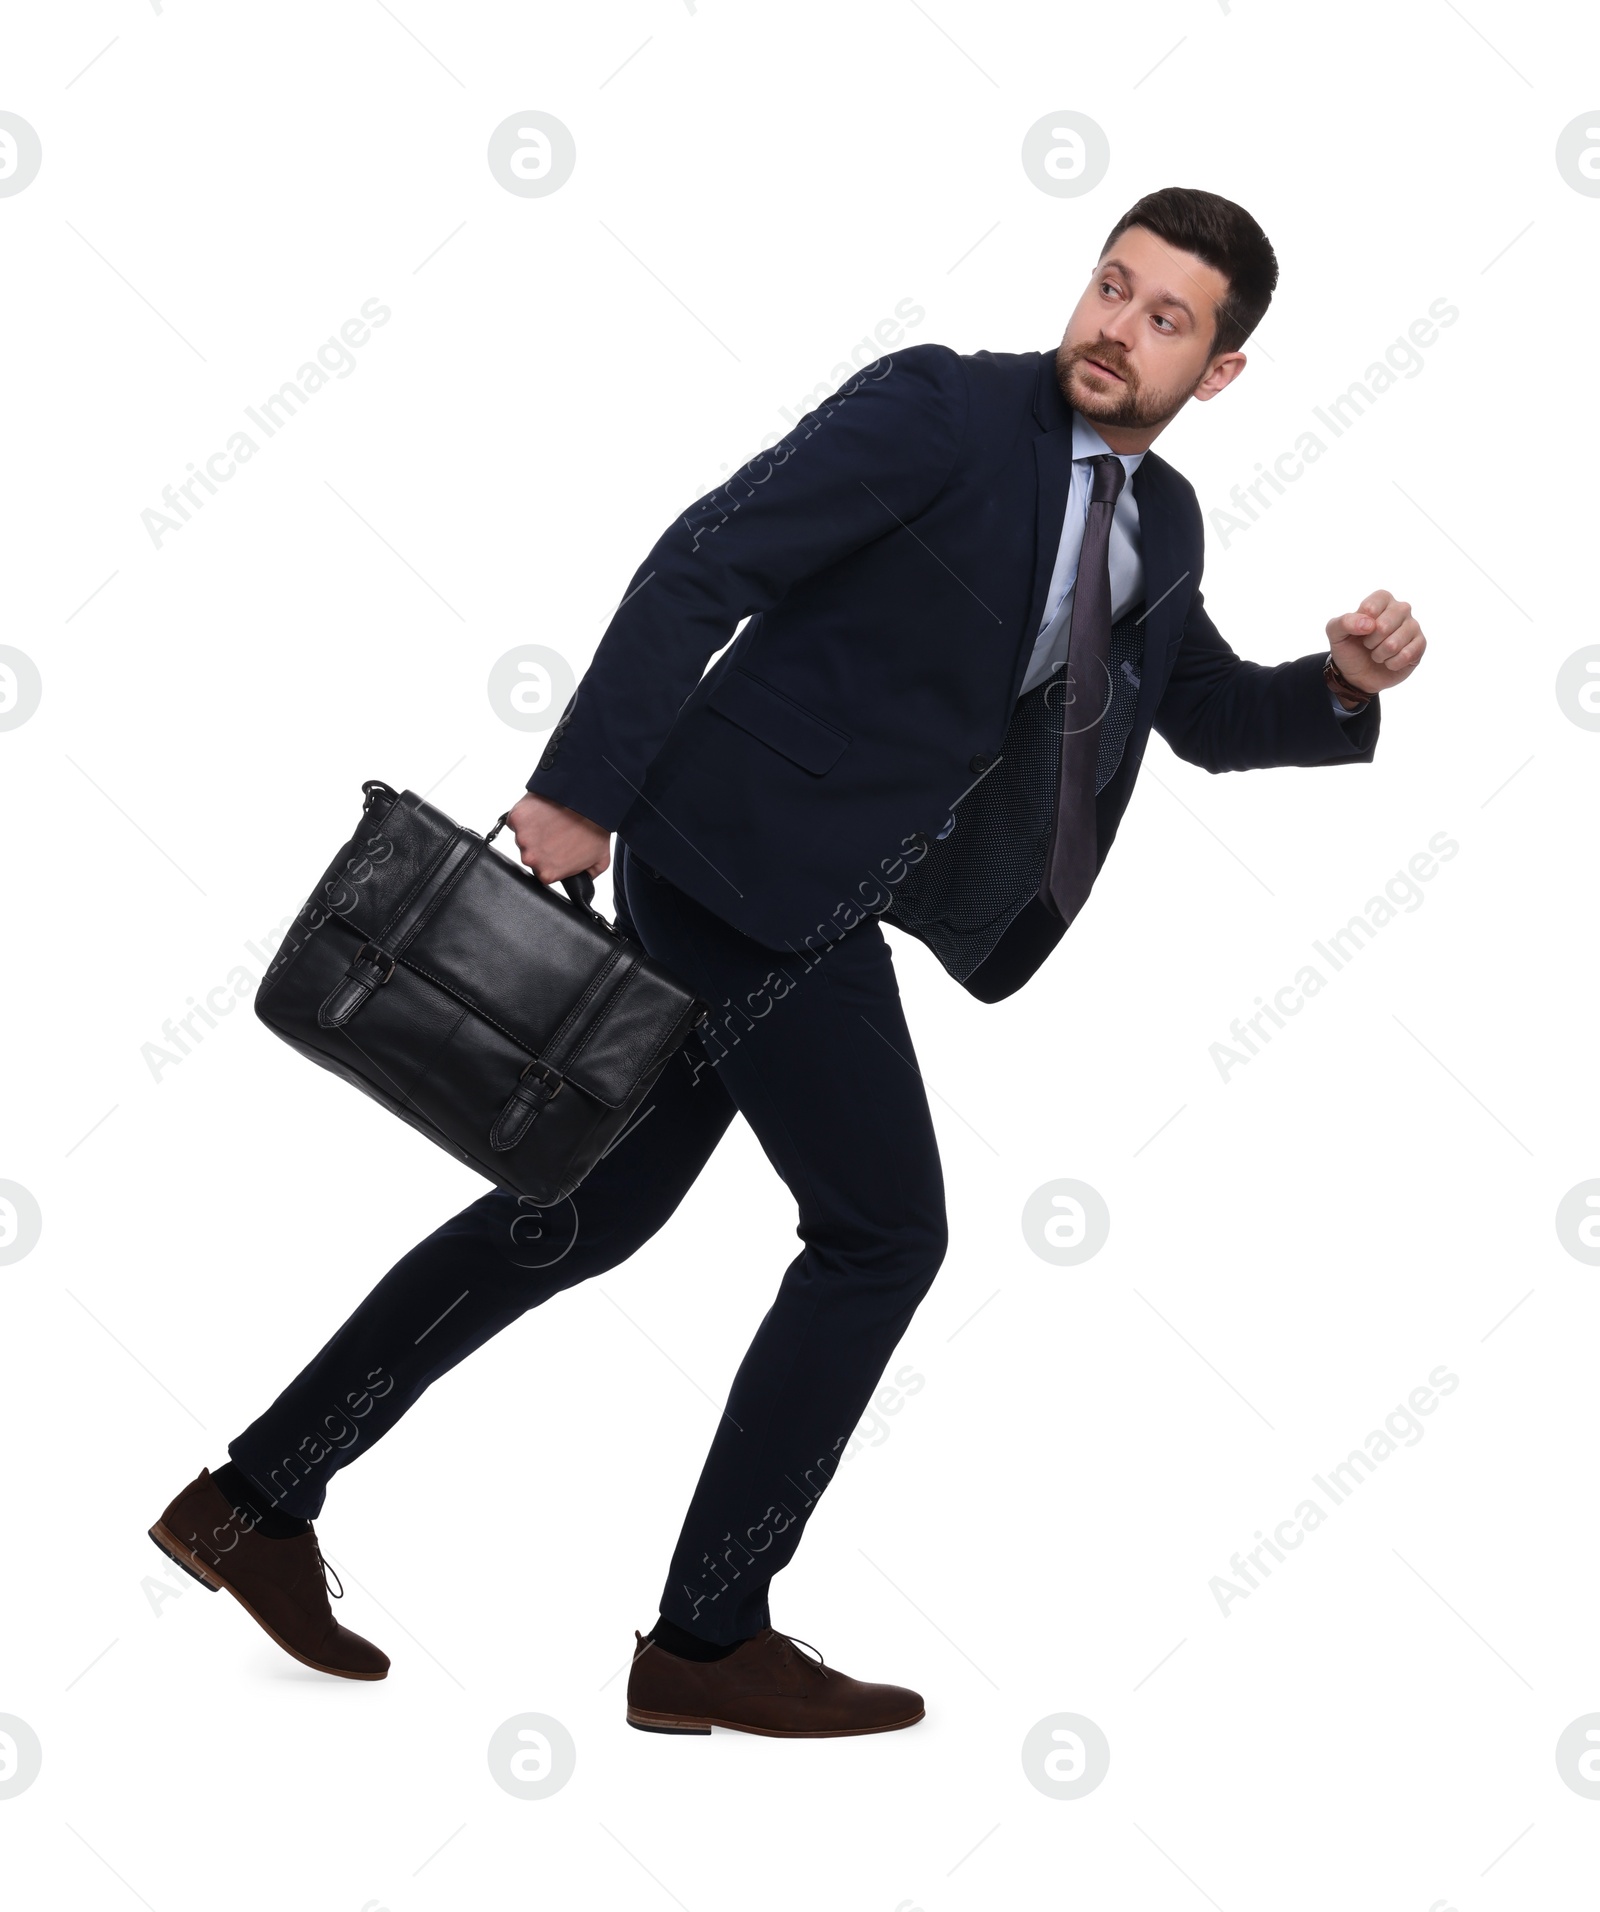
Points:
[(326, 1570), (820, 1666)]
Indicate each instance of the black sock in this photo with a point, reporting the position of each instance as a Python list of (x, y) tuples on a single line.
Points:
[(688, 1646), (245, 1499)]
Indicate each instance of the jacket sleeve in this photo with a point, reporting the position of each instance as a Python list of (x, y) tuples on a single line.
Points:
[(1225, 713), (869, 458)]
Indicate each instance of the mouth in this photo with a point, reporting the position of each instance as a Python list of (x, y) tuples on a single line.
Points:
[(1105, 371)]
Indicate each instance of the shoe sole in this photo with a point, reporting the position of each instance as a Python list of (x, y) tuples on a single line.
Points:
[(686, 1723), (191, 1563)]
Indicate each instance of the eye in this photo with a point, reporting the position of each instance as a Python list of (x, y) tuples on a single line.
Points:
[(1161, 319)]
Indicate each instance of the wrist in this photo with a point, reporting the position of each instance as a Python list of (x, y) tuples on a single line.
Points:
[(1350, 696)]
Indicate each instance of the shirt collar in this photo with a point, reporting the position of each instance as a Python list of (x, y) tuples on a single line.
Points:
[(1087, 443)]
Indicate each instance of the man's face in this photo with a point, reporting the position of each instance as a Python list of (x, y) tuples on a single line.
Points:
[(1139, 343)]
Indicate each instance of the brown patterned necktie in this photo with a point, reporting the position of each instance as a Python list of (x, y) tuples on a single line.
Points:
[(1085, 680)]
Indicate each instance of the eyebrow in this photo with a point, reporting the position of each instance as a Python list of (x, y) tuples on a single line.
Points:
[(1162, 298)]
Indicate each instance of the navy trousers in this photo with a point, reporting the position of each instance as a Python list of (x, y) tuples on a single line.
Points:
[(811, 1047)]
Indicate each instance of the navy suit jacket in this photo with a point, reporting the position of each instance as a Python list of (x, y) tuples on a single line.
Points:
[(892, 555)]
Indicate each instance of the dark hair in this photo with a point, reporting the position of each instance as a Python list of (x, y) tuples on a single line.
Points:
[(1226, 237)]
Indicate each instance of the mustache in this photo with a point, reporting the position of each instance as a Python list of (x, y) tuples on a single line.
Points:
[(1111, 356)]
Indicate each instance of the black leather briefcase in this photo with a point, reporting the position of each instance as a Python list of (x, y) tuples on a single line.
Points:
[(517, 1029)]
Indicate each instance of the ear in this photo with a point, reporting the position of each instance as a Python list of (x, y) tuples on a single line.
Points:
[(1221, 372)]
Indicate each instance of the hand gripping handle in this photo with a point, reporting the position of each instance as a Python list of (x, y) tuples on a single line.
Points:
[(579, 888)]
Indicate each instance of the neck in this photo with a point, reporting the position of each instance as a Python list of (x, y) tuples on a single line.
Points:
[(1127, 439)]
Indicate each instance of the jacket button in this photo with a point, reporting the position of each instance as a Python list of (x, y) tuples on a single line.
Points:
[(979, 764)]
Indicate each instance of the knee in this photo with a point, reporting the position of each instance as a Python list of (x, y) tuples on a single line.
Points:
[(935, 1243), (913, 1252)]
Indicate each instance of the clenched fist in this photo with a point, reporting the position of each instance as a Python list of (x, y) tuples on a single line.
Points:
[(1377, 645), (555, 842)]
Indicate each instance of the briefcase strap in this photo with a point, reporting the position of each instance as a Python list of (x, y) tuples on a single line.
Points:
[(527, 1102), (373, 964), (529, 1099)]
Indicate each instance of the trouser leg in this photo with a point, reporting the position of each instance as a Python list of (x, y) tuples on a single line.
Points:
[(814, 1050), (471, 1278)]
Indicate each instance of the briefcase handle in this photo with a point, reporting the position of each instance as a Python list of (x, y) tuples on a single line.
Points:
[(579, 888)]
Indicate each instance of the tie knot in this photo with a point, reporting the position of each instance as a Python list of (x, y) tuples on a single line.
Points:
[(1108, 476)]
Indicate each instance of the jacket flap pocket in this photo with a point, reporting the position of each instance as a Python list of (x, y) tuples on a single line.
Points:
[(777, 720)]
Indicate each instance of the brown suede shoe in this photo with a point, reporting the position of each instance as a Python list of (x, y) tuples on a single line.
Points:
[(768, 1686), (279, 1583)]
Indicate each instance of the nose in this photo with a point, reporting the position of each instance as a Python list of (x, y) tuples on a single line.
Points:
[(1118, 328)]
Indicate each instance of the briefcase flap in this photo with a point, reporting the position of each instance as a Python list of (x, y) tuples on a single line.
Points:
[(504, 945)]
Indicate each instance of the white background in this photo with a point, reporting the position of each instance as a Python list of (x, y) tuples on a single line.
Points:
[(1294, 1251)]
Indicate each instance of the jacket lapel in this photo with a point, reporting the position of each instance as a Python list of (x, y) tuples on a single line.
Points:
[(1167, 583), (1168, 586), (1052, 450)]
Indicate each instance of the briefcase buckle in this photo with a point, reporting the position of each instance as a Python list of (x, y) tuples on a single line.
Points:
[(370, 953), (549, 1075)]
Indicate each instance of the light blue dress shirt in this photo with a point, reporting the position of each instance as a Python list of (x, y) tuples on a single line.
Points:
[(1127, 571)]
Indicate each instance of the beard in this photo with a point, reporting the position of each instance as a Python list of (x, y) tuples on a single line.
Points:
[(1103, 403)]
